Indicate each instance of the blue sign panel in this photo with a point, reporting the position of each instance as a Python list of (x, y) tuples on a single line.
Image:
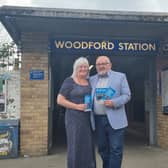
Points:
[(37, 75), (104, 45)]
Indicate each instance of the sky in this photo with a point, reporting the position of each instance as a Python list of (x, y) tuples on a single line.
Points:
[(114, 5), (119, 5)]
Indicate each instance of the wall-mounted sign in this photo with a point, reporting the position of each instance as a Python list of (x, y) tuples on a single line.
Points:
[(126, 46), (37, 75)]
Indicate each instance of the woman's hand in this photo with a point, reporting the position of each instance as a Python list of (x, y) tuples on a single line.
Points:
[(81, 107)]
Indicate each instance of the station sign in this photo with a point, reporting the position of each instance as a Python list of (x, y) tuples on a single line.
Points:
[(122, 46)]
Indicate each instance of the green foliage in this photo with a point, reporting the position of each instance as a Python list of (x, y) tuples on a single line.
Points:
[(6, 52), (7, 49)]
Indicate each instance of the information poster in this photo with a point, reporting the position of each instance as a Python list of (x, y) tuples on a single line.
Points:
[(164, 88)]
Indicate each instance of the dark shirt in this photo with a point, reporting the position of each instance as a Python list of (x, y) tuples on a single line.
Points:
[(73, 91)]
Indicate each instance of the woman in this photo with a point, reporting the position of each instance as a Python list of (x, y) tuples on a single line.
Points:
[(77, 119)]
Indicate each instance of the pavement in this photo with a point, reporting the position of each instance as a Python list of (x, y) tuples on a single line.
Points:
[(136, 155)]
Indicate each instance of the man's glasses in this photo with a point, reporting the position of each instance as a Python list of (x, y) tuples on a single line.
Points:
[(102, 64)]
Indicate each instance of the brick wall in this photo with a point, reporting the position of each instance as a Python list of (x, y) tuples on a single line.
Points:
[(162, 120), (34, 95)]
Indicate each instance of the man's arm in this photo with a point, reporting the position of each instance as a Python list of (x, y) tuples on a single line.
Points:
[(123, 98)]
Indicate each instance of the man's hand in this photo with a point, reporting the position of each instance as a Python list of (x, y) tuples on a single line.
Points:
[(109, 103)]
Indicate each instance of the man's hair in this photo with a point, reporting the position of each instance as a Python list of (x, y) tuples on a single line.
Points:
[(105, 57)]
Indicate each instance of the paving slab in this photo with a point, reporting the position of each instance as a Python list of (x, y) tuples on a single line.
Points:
[(135, 156)]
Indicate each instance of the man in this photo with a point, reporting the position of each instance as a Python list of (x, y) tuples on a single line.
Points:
[(110, 115)]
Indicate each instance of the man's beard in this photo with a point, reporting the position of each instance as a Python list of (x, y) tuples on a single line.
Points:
[(102, 74)]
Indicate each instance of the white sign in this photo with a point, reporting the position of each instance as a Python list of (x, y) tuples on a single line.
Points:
[(164, 88)]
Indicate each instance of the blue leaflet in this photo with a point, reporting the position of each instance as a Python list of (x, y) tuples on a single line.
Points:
[(88, 102), (104, 93)]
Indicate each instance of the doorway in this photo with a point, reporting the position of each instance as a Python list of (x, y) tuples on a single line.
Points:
[(138, 71)]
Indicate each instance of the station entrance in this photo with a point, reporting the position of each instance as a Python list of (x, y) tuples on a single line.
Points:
[(139, 71)]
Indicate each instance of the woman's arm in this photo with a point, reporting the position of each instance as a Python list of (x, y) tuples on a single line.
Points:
[(61, 100)]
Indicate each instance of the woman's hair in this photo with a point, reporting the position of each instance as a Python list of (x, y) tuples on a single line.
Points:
[(78, 62)]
